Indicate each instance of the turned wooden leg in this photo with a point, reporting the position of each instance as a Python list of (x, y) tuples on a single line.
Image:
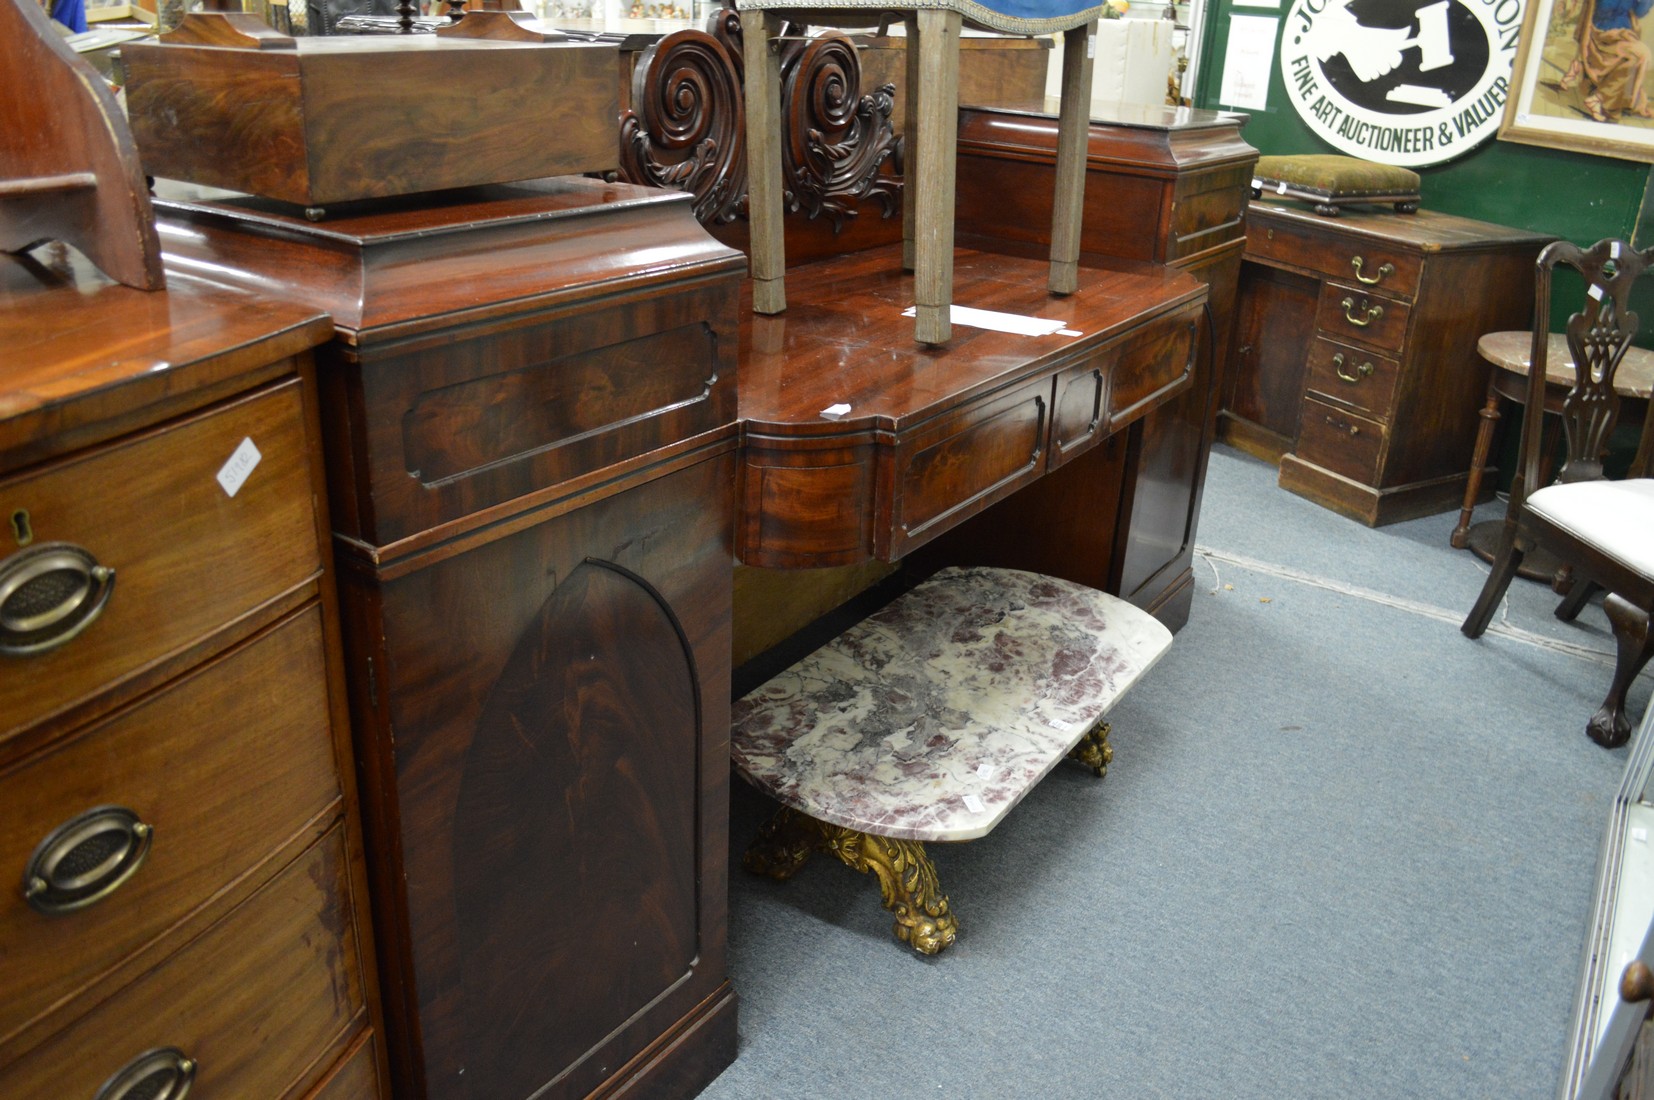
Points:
[(1478, 467), (907, 881), (1073, 141), (1094, 751), (783, 845), (936, 152), (759, 30), (1609, 726)]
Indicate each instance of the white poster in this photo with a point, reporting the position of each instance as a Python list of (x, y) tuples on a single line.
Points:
[(1247, 64)]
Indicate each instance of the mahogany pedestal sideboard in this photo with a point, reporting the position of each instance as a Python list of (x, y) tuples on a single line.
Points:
[(1167, 185), (187, 897), (530, 422), (1354, 358)]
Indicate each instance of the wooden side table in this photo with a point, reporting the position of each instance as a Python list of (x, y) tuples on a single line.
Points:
[(1509, 352)]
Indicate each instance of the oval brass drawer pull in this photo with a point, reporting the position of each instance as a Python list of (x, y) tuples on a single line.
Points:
[(164, 1073), (1373, 312), (1361, 371), (1384, 271), (48, 595), (85, 859)]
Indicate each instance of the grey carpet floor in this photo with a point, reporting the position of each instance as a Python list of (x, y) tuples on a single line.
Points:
[(1343, 851)]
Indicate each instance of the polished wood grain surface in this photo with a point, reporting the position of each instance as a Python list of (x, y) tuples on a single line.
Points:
[(227, 767), (253, 1000), (86, 358), (190, 562), (318, 121), (207, 694), (931, 436), (408, 266)]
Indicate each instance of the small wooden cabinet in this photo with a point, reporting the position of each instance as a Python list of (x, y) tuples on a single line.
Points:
[(186, 898), (530, 421), (1354, 357)]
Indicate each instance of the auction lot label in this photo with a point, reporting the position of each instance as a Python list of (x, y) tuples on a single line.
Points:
[(1401, 81)]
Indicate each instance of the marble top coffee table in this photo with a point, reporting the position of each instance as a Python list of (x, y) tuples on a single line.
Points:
[(930, 719)]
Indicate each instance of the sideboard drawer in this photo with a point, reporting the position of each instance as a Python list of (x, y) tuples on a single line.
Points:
[(1373, 320), (1353, 376), (965, 460), (221, 769), (188, 555), (250, 1002), (1340, 440)]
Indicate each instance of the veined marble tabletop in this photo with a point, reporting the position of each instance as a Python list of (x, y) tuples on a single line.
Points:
[(931, 718)]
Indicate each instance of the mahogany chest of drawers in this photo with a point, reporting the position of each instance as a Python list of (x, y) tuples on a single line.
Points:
[(1355, 358), (185, 894)]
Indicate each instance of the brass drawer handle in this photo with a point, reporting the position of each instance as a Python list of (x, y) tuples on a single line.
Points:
[(1373, 312), (164, 1073), (85, 859), (1361, 371), (1384, 271), (1353, 429), (48, 595)]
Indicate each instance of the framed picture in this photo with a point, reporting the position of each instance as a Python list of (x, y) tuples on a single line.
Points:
[(1582, 78)]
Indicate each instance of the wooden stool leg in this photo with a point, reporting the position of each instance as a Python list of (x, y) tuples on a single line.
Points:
[(1094, 751), (910, 151), (759, 30), (1073, 138), (1478, 466), (936, 147), (907, 881)]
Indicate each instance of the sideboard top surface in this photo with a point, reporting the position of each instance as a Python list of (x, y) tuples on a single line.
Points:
[(844, 340)]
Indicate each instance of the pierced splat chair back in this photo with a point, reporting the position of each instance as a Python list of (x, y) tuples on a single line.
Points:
[(1597, 337)]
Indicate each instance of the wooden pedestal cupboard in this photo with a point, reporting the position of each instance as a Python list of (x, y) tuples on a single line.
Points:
[(530, 424), (1355, 355), (187, 896)]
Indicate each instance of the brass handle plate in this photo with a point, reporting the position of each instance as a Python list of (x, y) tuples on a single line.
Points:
[(48, 595), (1384, 271), (85, 859), (1362, 370), (1372, 312), (164, 1073)]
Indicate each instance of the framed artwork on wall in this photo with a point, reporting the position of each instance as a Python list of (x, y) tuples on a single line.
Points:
[(1582, 77)]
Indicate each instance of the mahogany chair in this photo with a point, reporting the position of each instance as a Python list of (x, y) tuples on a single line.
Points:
[(1603, 529), (930, 134)]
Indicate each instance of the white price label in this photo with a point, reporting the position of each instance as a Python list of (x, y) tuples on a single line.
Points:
[(234, 473)]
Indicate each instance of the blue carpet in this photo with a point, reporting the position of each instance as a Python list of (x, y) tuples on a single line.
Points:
[(1342, 851)]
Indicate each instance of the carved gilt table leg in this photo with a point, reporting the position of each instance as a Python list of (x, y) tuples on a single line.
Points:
[(907, 878), (1094, 751), (783, 844)]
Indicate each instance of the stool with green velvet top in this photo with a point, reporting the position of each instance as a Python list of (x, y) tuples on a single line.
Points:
[(1332, 182)]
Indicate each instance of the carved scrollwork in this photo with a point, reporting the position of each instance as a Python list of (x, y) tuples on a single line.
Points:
[(687, 128), (836, 140)]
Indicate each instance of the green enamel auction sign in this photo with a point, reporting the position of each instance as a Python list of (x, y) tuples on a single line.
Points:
[(1398, 81)]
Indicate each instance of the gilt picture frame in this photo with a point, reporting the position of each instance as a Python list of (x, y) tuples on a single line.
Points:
[(1582, 83)]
